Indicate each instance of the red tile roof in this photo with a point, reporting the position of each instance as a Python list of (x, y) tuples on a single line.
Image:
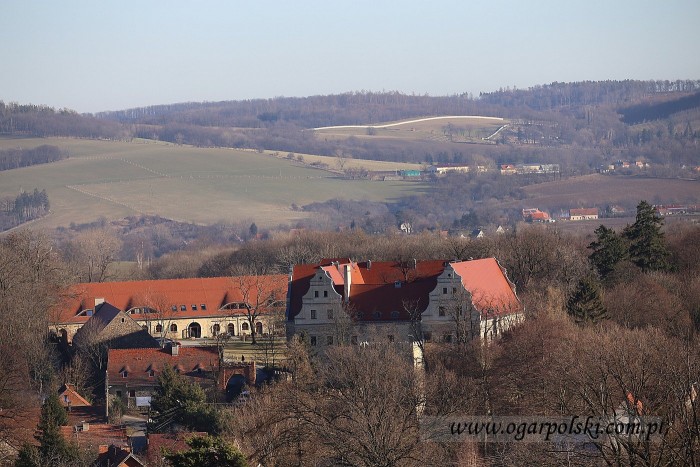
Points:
[(212, 292), (583, 212), (388, 286), (68, 396), (491, 290), (97, 434), (139, 362)]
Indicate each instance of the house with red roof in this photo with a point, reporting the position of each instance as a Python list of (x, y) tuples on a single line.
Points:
[(132, 374), (580, 214), (345, 301), (178, 308)]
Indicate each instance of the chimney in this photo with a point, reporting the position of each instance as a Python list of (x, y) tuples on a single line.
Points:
[(347, 279), (103, 449), (86, 426), (174, 349), (99, 301), (415, 263)]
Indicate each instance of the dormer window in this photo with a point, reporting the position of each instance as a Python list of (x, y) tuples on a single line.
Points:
[(394, 314), (151, 373), (183, 307), (174, 308), (125, 374), (203, 306), (88, 312), (377, 315), (194, 307)]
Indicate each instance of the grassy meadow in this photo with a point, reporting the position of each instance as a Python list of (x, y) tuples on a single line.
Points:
[(115, 179), (464, 129)]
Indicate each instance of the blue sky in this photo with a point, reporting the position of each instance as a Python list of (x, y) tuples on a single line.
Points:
[(108, 55)]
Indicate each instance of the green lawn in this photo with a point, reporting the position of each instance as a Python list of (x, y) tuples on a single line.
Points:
[(202, 185)]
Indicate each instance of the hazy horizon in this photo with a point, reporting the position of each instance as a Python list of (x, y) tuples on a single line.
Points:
[(94, 57)]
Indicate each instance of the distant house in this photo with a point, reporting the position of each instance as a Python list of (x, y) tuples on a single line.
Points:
[(581, 214), (70, 398), (442, 169), (508, 169), (535, 215), (477, 233)]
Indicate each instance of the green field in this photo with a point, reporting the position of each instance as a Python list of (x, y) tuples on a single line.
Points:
[(114, 179)]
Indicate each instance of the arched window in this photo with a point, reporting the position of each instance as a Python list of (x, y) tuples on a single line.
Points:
[(216, 329), (244, 327), (231, 329), (173, 327), (159, 328), (258, 328)]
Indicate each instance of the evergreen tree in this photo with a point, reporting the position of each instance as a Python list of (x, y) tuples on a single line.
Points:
[(608, 250), (647, 248), (209, 451), (585, 304), (178, 400), (53, 447), (253, 230)]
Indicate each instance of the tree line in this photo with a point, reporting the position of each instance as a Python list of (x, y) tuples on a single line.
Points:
[(16, 158)]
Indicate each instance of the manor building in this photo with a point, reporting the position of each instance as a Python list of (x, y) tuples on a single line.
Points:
[(179, 308), (344, 301)]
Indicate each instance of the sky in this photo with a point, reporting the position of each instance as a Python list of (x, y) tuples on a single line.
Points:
[(93, 56)]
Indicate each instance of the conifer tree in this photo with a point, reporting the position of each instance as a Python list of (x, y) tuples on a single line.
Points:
[(585, 304), (608, 250), (647, 248)]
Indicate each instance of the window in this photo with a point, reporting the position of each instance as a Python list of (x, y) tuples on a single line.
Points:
[(132, 393), (394, 314), (183, 308), (244, 326), (427, 336), (151, 373), (88, 312), (441, 311), (454, 290), (194, 307), (325, 293), (313, 341), (216, 329), (203, 306), (444, 290), (144, 327), (231, 329), (125, 374), (315, 293), (313, 314), (159, 328), (330, 314), (390, 337), (377, 315), (174, 307), (123, 319), (329, 340), (173, 327)]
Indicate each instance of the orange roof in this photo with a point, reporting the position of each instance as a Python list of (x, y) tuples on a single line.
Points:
[(491, 290), (213, 293), (374, 293), (140, 362), (583, 212), (539, 215), (68, 396), (96, 434)]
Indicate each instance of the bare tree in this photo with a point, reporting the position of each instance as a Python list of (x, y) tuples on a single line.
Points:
[(261, 296), (91, 254)]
